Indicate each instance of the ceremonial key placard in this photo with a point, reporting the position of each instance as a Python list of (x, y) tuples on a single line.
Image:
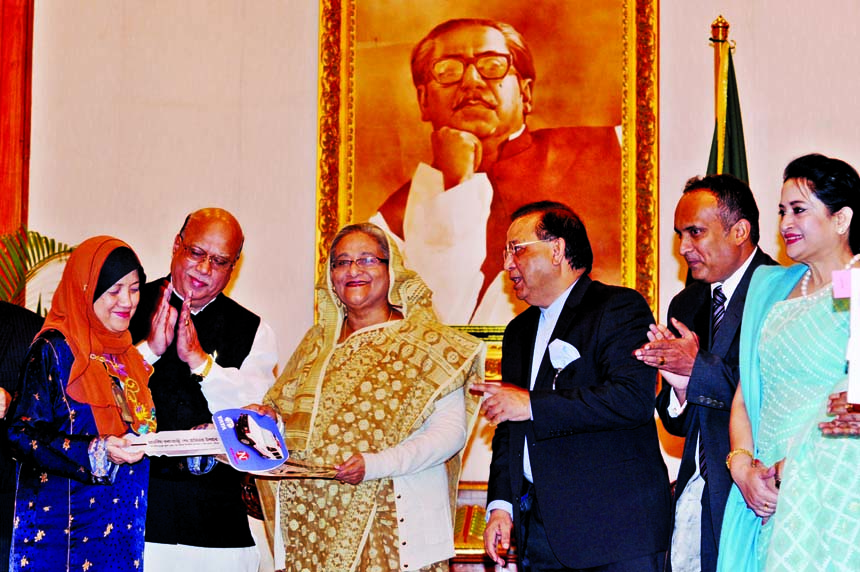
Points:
[(846, 284), (249, 441)]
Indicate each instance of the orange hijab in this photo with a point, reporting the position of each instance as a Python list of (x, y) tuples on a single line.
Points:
[(72, 315)]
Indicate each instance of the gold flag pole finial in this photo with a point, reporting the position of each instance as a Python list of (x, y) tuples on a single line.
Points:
[(719, 29)]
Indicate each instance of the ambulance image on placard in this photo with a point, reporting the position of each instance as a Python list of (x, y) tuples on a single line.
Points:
[(249, 433)]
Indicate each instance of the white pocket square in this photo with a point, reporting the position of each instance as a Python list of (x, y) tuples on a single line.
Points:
[(562, 353)]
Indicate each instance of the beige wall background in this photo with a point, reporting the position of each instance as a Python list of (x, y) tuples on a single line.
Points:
[(144, 111)]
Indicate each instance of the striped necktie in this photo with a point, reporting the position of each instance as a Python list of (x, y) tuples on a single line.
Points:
[(718, 309)]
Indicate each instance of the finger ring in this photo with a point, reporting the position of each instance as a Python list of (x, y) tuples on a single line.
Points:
[(662, 361), (186, 322), (850, 408), (766, 506)]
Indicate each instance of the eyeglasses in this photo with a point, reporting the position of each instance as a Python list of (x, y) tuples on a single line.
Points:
[(365, 262), (198, 255), (450, 69), (514, 249)]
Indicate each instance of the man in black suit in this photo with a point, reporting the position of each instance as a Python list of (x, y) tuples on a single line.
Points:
[(576, 461), (716, 221), (18, 327)]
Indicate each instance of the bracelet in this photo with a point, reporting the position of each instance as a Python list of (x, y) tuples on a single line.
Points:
[(737, 452), (208, 368)]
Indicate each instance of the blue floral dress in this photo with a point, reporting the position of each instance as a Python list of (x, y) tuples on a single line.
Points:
[(68, 515)]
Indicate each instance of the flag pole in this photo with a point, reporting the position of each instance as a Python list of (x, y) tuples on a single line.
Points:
[(720, 43)]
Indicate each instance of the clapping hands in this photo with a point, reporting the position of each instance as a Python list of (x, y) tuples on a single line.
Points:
[(164, 329)]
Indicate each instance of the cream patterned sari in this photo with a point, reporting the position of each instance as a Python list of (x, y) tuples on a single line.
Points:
[(366, 394)]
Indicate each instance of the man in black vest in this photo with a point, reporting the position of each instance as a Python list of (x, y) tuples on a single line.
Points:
[(209, 353), (18, 327)]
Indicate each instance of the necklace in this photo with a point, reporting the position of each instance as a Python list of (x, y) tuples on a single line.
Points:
[(807, 276), (348, 329)]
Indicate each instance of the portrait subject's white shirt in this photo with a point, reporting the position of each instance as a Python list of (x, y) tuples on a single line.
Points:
[(445, 242), (445, 239)]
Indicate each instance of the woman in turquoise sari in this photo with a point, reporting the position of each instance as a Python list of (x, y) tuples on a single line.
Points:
[(796, 500)]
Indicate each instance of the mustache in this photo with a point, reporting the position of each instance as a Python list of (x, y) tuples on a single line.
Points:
[(473, 98)]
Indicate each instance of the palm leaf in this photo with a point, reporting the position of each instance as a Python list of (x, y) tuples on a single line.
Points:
[(22, 254)]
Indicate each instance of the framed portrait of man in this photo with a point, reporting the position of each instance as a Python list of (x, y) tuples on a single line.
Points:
[(437, 122)]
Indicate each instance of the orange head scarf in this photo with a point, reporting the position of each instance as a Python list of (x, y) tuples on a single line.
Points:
[(72, 314)]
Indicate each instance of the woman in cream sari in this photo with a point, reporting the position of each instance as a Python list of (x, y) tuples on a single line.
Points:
[(377, 390)]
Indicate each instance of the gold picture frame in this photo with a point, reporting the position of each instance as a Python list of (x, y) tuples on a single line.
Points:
[(336, 202)]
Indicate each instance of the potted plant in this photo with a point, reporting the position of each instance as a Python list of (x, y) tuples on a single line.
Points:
[(29, 260)]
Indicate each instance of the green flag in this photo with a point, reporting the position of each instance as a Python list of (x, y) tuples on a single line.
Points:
[(728, 152)]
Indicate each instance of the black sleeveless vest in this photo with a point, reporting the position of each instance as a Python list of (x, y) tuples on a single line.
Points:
[(195, 510)]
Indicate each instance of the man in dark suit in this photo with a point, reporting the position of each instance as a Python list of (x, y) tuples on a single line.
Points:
[(716, 221), (576, 461), (18, 327)]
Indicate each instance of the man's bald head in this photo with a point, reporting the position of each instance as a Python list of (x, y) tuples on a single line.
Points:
[(204, 253)]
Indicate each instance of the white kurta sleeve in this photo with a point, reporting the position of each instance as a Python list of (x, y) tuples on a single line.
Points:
[(441, 436), (146, 352), (229, 387)]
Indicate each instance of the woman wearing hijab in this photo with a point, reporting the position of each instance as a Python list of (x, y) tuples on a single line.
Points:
[(376, 390), (81, 501)]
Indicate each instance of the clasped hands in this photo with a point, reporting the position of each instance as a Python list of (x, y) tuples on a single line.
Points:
[(758, 485), (674, 356), (503, 401), (163, 330)]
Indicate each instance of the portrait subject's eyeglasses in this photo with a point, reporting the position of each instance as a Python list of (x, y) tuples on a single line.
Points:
[(451, 69), (198, 255), (514, 249), (365, 262)]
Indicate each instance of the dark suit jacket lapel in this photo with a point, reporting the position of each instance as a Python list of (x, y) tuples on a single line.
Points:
[(528, 345), (732, 319), (546, 373), (702, 318)]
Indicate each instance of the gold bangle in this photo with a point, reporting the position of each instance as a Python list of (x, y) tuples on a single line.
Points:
[(208, 368), (737, 452)]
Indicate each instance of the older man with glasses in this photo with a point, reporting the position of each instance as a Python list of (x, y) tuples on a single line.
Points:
[(209, 353), (577, 475), (475, 81)]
